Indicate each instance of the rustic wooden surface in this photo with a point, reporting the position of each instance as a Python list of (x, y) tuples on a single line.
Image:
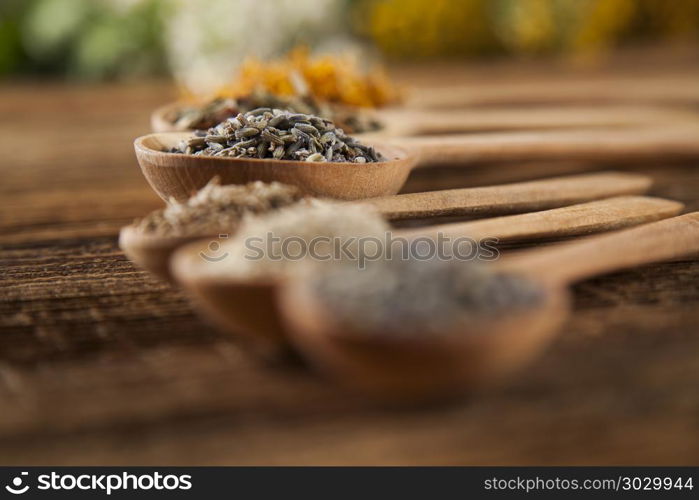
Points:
[(101, 364)]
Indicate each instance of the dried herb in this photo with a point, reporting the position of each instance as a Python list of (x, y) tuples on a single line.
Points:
[(335, 78), (280, 135), (279, 235), (414, 296), (207, 115), (217, 209)]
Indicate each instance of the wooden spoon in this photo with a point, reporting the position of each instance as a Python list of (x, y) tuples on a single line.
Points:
[(477, 351), (179, 175), (416, 122), (398, 121), (676, 90), (598, 145), (247, 307), (152, 252)]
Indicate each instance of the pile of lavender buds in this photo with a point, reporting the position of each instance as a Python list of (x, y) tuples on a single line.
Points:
[(207, 115), (279, 135)]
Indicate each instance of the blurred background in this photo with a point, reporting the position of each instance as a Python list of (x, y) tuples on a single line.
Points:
[(202, 43)]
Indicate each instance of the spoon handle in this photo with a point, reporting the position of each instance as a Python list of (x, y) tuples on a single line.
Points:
[(420, 122), (652, 89), (568, 262), (511, 198), (585, 218), (609, 145)]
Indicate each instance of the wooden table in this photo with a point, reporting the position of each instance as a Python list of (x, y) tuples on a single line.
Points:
[(101, 364)]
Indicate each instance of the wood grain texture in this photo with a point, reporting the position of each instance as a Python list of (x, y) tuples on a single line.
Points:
[(674, 238), (248, 307), (647, 144), (511, 198), (180, 175), (502, 119), (100, 363), (597, 89), (153, 252), (574, 220)]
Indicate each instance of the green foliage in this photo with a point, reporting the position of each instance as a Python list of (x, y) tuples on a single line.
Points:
[(85, 38), (101, 39), (12, 53)]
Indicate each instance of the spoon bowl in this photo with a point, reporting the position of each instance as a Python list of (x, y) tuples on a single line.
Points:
[(228, 299), (179, 175), (163, 119), (473, 354), (152, 252), (245, 307), (396, 367)]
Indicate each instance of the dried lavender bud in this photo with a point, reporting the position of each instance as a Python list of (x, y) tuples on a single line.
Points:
[(205, 116), (217, 209), (413, 297), (280, 135)]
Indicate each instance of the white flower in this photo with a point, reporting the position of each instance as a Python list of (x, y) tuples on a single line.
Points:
[(207, 40)]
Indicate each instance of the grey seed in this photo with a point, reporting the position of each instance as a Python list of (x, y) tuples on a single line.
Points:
[(220, 139), (226, 151), (278, 153), (270, 137), (246, 144), (260, 125), (196, 141), (301, 135), (318, 122), (235, 123), (316, 157), (280, 121), (246, 132), (302, 154), (309, 129), (294, 147)]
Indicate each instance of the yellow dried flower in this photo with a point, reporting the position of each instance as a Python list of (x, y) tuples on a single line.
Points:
[(331, 78)]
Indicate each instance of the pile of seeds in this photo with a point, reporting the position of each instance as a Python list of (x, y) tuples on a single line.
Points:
[(413, 296), (206, 115), (297, 239), (217, 209), (281, 135), (209, 114)]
